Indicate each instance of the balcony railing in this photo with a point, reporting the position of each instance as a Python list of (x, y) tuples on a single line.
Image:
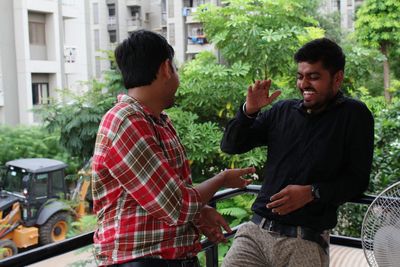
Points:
[(211, 249)]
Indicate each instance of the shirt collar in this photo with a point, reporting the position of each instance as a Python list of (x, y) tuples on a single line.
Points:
[(337, 100), (124, 98)]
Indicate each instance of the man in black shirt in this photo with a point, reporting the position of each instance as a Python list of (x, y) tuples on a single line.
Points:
[(319, 156)]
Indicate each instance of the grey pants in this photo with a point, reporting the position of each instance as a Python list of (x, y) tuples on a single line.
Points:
[(256, 247)]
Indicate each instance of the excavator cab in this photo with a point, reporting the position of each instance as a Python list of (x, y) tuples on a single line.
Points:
[(32, 204)]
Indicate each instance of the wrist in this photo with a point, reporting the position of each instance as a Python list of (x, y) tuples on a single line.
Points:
[(250, 114)]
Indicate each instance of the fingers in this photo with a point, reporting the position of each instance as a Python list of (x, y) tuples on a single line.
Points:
[(277, 203), (248, 170), (274, 96), (278, 195), (260, 85), (248, 181), (224, 225)]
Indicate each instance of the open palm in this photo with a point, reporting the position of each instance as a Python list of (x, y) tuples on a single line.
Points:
[(258, 96)]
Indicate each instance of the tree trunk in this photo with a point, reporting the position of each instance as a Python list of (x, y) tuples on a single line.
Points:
[(386, 74)]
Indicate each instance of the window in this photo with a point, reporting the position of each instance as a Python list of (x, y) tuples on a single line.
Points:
[(40, 185), (111, 10), (135, 12), (171, 33), (98, 68), (40, 93), (57, 183), (37, 33), (113, 36), (171, 9), (96, 40), (96, 13)]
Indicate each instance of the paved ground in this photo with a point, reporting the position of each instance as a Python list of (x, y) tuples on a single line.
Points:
[(340, 257)]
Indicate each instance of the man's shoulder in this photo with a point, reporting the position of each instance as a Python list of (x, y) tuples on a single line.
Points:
[(355, 105), (119, 114), (122, 110)]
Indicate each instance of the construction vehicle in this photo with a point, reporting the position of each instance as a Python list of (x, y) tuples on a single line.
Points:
[(36, 205)]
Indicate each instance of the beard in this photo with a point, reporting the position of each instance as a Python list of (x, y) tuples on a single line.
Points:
[(312, 99)]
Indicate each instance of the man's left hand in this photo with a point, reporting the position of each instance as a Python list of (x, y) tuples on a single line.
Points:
[(211, 224), (291, 198)]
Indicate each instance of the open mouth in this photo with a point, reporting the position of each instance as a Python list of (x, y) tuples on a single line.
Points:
[(308, 95)]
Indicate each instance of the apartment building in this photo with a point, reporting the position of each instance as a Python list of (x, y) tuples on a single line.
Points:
[(184, 32), (43, 47), (113, 20), (346, 9)]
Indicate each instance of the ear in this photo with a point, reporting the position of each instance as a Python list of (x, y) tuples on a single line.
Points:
[(338, 79), (165, 69)]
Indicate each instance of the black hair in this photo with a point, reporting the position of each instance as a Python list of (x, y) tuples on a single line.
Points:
[(139, 57), (328, 52)]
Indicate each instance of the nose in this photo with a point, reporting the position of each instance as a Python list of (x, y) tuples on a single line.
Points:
[(302, 83)]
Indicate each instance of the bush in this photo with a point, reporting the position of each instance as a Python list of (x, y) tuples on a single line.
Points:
[(33, 142)]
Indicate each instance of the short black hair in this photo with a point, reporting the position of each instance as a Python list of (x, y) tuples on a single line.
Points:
[(328, 52), (140, 55)]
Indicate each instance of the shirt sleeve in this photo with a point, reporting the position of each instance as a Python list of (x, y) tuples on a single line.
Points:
[(354, 177), (244, 133), (137, 161)]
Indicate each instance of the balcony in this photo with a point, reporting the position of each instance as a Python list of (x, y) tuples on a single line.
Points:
[(210, 249), (188, 12), (70, 9), (134, 2), (133, 24)]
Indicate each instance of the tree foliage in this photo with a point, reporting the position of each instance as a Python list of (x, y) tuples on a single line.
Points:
[(263, 34), (77, 116), (23, 142), (378, 25)]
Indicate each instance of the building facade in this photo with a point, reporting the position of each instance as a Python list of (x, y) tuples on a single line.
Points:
[(113, 20), (44, 47), (346, 9)]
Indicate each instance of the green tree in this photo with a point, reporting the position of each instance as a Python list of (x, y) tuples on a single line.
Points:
[(378, 25), (76, 118), (210, 90), (263, 34)]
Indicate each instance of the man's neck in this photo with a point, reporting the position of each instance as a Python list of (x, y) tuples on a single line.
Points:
[(145, 96)]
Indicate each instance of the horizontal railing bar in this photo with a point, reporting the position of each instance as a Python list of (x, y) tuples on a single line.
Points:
[(48, 251), (74, 243)]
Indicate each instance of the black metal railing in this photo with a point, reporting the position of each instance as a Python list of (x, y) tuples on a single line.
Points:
[(211, 249)]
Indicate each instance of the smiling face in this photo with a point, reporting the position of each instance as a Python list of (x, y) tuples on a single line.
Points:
[(317, 85)]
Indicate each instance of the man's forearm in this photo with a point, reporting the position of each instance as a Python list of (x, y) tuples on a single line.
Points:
[(208, 188)]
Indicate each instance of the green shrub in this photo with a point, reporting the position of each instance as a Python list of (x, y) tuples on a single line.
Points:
[(33, 142)]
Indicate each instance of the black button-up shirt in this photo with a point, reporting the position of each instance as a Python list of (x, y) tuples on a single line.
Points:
[(332, 149)]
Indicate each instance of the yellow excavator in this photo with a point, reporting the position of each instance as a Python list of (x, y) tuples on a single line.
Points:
[(36, 205)]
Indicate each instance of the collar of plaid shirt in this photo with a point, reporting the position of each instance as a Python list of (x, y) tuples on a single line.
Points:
[(142, 188)]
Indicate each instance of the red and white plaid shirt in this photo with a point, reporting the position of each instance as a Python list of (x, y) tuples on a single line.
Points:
[(142, 188)]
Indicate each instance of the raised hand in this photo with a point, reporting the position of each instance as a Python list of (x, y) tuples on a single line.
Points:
[(233, 178), (290, 198), (258, 96)]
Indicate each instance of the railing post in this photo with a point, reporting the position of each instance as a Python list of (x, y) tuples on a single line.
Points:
[(212, 256)]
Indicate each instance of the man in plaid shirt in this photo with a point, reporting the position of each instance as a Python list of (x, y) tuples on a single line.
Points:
[(149, 214)]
